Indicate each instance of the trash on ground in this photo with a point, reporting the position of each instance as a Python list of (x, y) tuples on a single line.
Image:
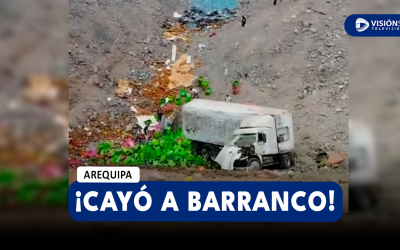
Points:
[(177, 15), (201, 46), (165, 123), (124, 88), (168, 107), (181, 75), (173, 36), (134, 109), (142, 121), (335, 159), (173, 57), (91, 153), (129, 143), (168, 61), (198, 19)]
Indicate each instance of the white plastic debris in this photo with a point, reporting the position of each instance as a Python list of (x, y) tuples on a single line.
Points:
[(177, 15), (173, 57), (188, 59), (226, 71), (134, 109), (109, 99), (167, 62), (142, 119), (201, 46)]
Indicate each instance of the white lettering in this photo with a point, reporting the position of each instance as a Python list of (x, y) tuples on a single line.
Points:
[(124, 200), (169, 197), (311, 201), (194, 201), (145, 195), (245, 202), (86, 201), (109, 202), (261, 202), (276, 197), (294, 201), (208, 204), (229, 202)]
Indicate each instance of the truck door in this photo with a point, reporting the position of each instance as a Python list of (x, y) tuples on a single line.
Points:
[(261, 144)]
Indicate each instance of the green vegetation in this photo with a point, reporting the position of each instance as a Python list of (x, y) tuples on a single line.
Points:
[(170, 149), (15, 189)]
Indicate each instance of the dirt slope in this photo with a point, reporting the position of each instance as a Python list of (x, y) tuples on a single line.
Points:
[(285, 50), (109, 39), (291, 56)]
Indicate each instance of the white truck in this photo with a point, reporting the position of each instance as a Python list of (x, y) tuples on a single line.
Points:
[(239, 136), (363, 172)]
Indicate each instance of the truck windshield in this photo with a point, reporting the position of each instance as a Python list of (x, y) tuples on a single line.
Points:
[(246, 139)]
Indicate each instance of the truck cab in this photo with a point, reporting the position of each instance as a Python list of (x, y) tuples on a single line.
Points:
[(260, 144), (258, 131)]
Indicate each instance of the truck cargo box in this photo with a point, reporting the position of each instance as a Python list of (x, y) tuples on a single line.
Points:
[(215, 121)]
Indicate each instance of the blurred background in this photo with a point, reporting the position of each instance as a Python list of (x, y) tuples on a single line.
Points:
[(34, 120)]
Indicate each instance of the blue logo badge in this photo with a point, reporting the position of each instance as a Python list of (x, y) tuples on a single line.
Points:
[(373, 25)]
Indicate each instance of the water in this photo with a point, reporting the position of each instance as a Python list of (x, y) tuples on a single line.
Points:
[(214, 5)]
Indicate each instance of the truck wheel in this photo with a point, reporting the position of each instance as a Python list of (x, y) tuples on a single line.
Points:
[(293, 159), (286, 161), (254, 164), (205, 154)]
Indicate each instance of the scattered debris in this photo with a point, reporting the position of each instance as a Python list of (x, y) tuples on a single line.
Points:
[(129, 143), (173, 57), (181, 73), (177, 15), (134, 109), (201, 169), (173, 36), (198, 19), (189, 178), (124, 88), (335, 159), (143, 119)]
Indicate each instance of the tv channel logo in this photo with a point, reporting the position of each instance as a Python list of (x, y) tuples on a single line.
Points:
[(373, 25), (361, 24)]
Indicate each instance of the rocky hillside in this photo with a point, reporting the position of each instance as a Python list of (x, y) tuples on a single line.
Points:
[(292, 56)]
